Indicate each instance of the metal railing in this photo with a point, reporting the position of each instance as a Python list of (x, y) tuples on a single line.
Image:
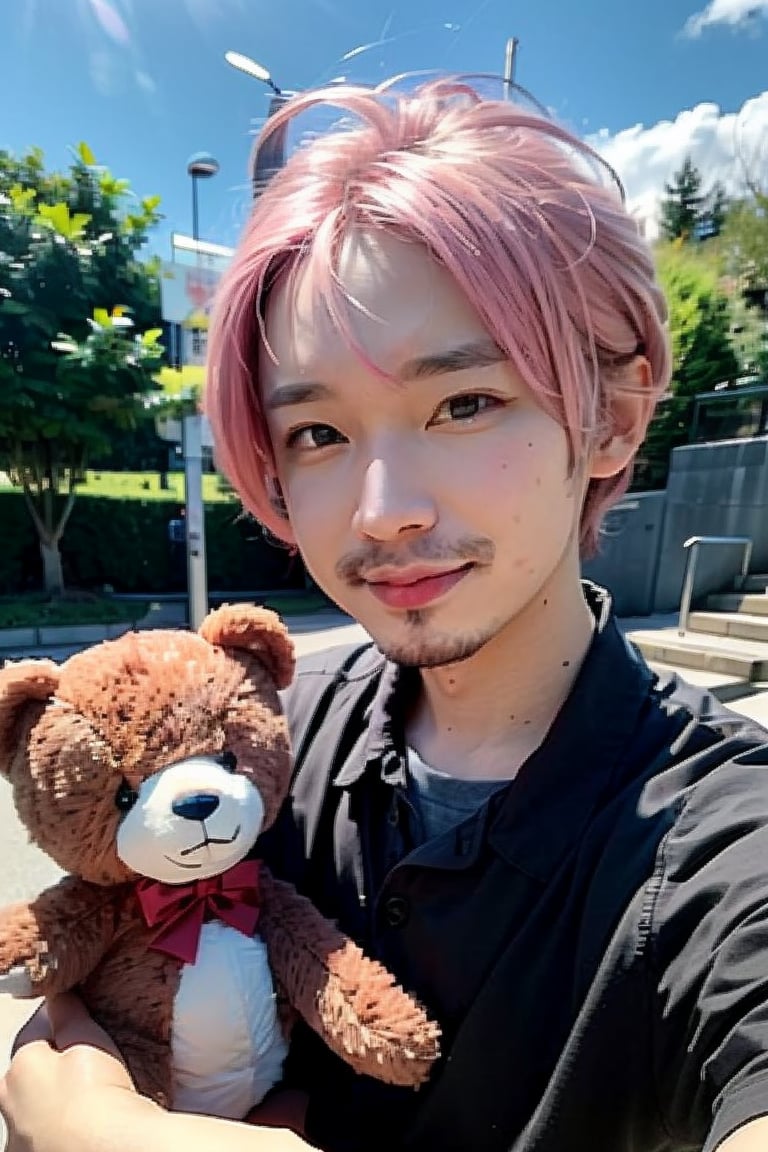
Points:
[(693, 545)]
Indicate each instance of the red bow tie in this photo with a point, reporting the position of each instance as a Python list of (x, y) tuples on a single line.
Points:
[(180, 910)]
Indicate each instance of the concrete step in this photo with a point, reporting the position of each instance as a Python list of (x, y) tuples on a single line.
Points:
[(757, 582), (725, 688), (745, 659), (742, 625), (755, 604)]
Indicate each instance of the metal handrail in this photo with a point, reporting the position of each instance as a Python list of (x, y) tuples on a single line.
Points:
[(693, 544)]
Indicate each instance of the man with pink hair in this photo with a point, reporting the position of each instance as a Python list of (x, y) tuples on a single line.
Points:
[(432, 362)]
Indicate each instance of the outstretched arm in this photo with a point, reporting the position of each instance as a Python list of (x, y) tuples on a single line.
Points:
[(51, 944), (77, 1094), (352, 1002), (753, 1137)]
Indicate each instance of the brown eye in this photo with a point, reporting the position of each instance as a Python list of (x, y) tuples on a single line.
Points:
[(125, 797), (314, 436), (465, 408), (228, 761)]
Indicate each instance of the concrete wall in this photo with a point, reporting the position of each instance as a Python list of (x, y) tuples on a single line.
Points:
[(630, 542), (718, 489)]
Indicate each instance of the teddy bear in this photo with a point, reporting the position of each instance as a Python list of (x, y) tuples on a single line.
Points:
[(147, 767)]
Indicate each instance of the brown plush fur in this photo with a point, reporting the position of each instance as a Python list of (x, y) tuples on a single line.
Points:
[(123, 710), (343, 994)]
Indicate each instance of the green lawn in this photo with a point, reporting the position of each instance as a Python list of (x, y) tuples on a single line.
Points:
[(36, 611), (146, 486)]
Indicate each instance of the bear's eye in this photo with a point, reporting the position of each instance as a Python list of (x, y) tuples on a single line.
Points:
[(228, 761), (125, 797)]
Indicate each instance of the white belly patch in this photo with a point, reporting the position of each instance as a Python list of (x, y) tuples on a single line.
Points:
[(228, 1048)]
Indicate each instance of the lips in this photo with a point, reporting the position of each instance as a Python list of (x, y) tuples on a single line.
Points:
[(414, 587)]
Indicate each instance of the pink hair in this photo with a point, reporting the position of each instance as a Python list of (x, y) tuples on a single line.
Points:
[(516, 209)]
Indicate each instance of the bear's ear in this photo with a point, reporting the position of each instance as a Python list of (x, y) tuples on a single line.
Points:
[(256, 631), (21, 684)]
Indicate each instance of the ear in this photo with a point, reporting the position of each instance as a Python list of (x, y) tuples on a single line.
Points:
[(632, 402), (21, 684), (255, 630), (278, 522)]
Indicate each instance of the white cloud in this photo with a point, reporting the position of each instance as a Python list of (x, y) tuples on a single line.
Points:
[(110, 21), (202, 13), (145, 82), (731, 12), (104, 72), (719, 143)]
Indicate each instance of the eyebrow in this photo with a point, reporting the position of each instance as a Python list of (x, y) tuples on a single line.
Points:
[(473, 354)]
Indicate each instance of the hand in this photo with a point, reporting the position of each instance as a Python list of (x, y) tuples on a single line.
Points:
[(67, 1088), (63, 1065)]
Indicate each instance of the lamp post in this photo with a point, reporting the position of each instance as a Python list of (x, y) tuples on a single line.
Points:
[(510, 59), (270, 156), (201, 166), (252, 68)]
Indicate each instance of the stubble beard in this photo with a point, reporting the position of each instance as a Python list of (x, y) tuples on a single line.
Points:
[(420, 649), (424, 646)]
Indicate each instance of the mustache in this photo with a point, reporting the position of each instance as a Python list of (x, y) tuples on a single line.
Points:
[(352, 567)]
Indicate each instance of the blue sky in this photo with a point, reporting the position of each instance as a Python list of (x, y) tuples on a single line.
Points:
[(144, 82)]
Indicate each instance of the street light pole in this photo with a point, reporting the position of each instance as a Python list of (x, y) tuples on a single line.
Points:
[(195, 216), (270, 157), (252, 68), (201, 166), (510, 59)]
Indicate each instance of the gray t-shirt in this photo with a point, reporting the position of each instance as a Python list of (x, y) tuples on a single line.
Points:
[(443, 801)]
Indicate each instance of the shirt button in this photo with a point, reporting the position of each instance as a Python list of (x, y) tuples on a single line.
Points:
[(396, 911)]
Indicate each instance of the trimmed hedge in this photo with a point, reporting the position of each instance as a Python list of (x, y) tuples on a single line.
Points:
[(124, 544)]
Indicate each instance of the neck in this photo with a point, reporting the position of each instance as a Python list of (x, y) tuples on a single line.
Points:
[(483, 717)]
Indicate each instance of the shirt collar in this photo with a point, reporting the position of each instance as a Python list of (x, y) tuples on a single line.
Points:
[(558, 787), (556, 791), (384, 746)]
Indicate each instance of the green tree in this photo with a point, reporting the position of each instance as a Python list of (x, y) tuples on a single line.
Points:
[(79, 328), (702, 355), (749, 328), (714, 212), (745, 242), (682, 206)]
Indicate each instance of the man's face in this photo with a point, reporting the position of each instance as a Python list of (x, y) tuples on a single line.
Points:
[(434, 507)]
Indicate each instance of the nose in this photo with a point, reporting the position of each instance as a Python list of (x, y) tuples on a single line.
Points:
[(198, 807), (393, 500)]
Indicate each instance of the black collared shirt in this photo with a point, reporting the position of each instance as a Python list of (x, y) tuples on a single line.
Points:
[(593, 941)]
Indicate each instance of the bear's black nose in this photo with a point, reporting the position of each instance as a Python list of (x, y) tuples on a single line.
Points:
[(197, 807)]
